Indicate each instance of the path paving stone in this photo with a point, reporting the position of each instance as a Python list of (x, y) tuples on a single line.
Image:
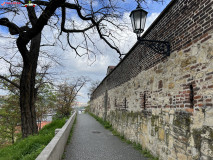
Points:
[(91, 141)]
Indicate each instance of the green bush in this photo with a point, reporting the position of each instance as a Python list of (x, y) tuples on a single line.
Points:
[(87, 109), (30, 147)]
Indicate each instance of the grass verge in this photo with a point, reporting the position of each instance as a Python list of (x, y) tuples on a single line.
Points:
[(72, 129), (106, 124), (30, 147), (137, 146)]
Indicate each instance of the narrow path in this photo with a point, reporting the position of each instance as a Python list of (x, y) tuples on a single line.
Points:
[(91, 141)]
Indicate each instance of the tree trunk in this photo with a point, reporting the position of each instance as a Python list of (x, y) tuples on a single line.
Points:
[(12, 132), (28, 91)]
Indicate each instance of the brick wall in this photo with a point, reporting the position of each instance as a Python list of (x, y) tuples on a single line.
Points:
[(182, 23)]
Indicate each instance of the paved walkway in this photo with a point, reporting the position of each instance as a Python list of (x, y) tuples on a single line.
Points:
[(91, 141)]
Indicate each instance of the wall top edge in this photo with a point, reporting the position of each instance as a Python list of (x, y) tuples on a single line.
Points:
[(145, 33)]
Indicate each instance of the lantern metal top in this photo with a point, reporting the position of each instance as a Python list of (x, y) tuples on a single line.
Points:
[(138, 9)]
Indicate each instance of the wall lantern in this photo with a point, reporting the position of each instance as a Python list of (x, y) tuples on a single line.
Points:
[(138, 20)]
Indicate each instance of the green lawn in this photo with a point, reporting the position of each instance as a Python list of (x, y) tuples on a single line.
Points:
[(30, 147)]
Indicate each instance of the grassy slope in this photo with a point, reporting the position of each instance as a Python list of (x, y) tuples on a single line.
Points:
[(30, 147)]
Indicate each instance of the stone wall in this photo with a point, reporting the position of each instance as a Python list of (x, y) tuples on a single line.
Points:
[(166, 103), (55, 148)]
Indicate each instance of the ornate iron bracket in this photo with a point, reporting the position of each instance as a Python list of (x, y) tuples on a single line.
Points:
[(160, 47)]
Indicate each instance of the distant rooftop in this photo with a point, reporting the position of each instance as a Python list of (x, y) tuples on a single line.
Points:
[(109, 69)]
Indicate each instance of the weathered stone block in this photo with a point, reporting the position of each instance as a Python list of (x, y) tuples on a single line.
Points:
[(171, 158), (205, 158), (159, 71), (210, 52), (206, 148), (171, 85), (181, 156), (199, 75), (188, 61), (180, 54), (160, 84), (161, 134)]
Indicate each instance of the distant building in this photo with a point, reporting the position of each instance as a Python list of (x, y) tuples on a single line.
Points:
[(80, 104), (109, 69)]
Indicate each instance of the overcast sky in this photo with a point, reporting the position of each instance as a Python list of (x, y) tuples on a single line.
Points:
[(93, 68)]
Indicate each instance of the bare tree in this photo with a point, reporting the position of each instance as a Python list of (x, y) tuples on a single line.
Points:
[(66, 95), (96, 17), (94, 85)]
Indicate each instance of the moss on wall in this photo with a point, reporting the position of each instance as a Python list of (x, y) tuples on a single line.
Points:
[(197, 138), (154, 120), (182, 120)]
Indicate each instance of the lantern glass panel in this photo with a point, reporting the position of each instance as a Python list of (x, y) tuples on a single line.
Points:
[(133, 22), (137, 18), (143, 20)]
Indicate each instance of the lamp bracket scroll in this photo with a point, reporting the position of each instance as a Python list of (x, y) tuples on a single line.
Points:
[(160, 47)]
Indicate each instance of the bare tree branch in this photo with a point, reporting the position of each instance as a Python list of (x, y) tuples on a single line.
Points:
[(11, 82)]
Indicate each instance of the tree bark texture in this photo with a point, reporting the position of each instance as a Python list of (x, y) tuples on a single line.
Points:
[(27, 89)]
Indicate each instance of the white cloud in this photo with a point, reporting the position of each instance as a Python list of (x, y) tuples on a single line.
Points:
[(7, 52), (95, 3), (151, 19)]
